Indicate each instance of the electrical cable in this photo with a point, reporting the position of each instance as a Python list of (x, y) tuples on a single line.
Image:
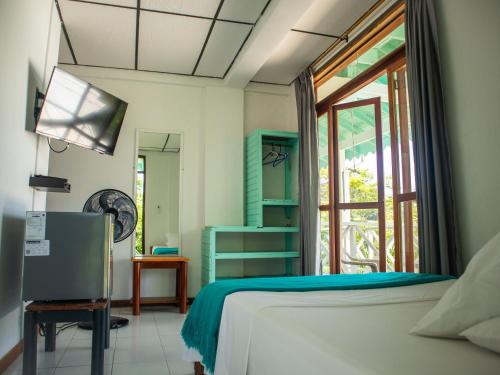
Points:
[(42, 331)]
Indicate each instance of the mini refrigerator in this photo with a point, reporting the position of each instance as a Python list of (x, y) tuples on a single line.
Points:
[(67, 256)]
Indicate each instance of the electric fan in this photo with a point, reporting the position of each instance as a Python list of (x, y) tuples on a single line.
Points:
[(124, 211)]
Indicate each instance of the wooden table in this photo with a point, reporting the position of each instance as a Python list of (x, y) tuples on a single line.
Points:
[(50, 313), (180, 264)]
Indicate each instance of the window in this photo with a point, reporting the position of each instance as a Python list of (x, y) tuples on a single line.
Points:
[(140, 201), (367, 207)]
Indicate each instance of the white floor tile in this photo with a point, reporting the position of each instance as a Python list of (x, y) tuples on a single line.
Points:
[(42, 371), (151, 368), (79, 370), (138, 349), (150, 345), (81, 355)]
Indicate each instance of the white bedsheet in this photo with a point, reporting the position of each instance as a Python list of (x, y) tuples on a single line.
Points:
[(358, 340), (244, 348)]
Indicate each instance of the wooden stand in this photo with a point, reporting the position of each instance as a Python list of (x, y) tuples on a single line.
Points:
[(199, 369), (50, 313), (180, 264)]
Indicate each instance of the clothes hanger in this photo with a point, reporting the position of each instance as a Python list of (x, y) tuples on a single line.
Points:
[(282, 156), (271, 154)]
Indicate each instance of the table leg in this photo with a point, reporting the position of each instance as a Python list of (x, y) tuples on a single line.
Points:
[(29, 346), (50, 337), (136, 293), (183, 287), (178, 282), (98, 338), (107, 326)]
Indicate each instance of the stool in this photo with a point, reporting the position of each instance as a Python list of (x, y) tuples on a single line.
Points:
[(50, 313)]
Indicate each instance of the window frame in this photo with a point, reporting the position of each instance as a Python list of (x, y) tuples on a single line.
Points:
[(395, 62), (143, 172)]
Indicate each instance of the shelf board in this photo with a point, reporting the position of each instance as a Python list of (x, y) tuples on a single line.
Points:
[(246, 229), (280, 202), (257, 255)]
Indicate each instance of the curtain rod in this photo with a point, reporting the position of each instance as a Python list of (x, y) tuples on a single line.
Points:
[(316, 65)]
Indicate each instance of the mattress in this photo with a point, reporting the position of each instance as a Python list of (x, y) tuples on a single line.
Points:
[(345, 332), (363, 340)]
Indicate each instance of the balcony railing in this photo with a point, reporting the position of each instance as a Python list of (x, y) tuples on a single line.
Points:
[(359, 247)]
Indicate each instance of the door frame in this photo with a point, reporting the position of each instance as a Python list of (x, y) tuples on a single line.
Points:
[(335, 230)]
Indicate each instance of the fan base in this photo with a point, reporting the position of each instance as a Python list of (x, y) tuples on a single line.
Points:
[(115, 322)]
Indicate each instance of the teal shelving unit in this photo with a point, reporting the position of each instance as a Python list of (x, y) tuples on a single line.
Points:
[(261, 179), (213, 252), (271, 216)]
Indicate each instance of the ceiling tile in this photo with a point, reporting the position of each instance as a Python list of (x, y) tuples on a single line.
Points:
[(152, 140), (100, 35), (244, 11), (174, 141), (156, 141), (333, 16), (127, 3), (225, 41), (293, 55), (170, 43), (64, 51), (202, 8)]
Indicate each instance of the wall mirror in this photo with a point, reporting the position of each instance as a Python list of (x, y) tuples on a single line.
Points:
[(158, 193)]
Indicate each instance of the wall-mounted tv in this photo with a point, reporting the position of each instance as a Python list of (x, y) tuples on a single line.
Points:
[(79, 113)]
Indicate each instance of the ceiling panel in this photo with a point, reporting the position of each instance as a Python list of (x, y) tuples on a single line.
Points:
[(127, 3), (100, 35), (333, 16), (152, 140), (174, 141), (203, 8), (224, 43), (64, 52), (170, 43), (156, 141), (293, 55), (244, 11)]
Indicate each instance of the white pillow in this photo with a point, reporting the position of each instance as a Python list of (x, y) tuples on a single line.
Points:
[(473, 298), (485, 334)]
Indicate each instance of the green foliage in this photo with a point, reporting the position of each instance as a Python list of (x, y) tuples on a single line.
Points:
[(140, 204)]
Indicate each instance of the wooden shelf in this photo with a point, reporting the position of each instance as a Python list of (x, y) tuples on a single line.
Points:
[(257, 255)]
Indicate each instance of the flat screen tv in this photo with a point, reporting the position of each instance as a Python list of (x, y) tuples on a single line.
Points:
[(79, 113)]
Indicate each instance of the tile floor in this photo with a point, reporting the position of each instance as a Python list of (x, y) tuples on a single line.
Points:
[(149, 345)]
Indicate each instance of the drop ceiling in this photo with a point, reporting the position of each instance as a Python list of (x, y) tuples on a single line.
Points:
[(160, 142), (195, 37)]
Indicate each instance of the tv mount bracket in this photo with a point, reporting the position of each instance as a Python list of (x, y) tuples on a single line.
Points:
[(39, 98)]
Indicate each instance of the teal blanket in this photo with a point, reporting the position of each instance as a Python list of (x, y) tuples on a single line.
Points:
[(166, 251), (201, 327)]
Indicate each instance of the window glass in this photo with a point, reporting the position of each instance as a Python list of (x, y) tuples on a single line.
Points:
[(323, 159), (363, 61)]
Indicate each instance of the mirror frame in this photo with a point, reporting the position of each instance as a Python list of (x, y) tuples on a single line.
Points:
[(138, 131)]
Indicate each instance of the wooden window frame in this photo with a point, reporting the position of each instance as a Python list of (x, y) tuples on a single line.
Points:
[(143, 172), (395, 62)]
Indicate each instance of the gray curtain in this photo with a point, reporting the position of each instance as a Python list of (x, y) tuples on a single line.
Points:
[(437, 232), (309, 173)]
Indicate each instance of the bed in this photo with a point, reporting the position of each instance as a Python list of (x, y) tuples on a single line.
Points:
[(330, 332)]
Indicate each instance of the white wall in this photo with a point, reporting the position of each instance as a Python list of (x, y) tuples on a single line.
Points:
[(209, 116), (470, 53), (270, 107), (29, 43), (162, 197)]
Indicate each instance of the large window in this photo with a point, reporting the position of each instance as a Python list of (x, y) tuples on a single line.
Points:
[(367, 190)]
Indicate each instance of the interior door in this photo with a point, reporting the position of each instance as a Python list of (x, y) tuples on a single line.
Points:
[(358, 225)]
